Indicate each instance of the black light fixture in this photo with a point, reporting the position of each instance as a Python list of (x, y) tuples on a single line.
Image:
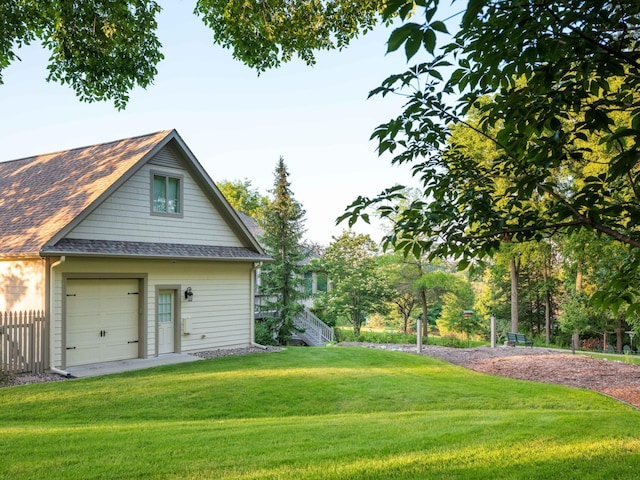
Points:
[(188, 294)]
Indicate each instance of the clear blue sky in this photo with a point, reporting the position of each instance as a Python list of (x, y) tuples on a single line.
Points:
[(236, 123)]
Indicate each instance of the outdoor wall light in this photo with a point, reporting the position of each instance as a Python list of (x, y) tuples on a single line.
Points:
[(188, 294)]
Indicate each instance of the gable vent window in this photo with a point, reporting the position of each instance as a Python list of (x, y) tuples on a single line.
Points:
[(166, 194)]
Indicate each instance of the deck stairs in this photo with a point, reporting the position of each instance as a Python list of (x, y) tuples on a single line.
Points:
[(311, 330)]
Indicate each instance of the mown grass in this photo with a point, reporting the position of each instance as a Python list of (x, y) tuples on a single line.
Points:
[(329, 413), (634, 359)]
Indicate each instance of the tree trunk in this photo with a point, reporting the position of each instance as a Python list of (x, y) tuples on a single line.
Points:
[(423, 304), (547, 305), (619, 336), (425, 320), (575, 339), (547, 317), (356, 322), (514, 294)]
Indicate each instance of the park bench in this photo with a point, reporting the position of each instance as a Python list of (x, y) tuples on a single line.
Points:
[(514, 339)]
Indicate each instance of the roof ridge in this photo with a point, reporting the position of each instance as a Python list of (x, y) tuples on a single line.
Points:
[(100, 144)]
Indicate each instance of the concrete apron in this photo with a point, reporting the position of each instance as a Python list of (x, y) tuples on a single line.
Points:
[(107, 368)]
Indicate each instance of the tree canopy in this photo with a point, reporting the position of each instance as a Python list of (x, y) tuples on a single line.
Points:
[(265, 34), (103, 49), (553, 86), (242, 196), (358, 286)]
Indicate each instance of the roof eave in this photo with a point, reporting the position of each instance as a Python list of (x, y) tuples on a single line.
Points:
[(58, 253), (20, 256)]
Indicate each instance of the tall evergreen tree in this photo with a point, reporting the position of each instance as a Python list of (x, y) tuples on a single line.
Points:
[(281, 280)]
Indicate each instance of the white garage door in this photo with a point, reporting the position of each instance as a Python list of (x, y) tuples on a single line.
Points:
[(102, 320)]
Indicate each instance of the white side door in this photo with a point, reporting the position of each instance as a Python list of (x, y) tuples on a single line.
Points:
[(166, 322)]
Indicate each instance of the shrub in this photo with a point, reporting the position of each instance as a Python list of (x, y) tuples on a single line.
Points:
[(387, 337), (347, 335), (452, 341), (376, 321), (263, 334), (344, 335), (562, 340)]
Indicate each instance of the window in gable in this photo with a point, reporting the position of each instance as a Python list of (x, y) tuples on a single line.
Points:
[(166, 194)]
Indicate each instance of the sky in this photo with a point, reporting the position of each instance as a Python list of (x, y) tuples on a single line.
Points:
[(237, 123)]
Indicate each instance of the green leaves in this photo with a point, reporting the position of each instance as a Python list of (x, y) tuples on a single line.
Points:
[(413, 35), (101, 49), (243, 197), (474, 7), (401, 34), (359, 288), (264, 35), (20, 25), (105, 48), (544, 137), (429, 41)]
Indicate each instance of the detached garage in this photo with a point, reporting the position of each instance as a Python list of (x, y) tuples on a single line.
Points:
[(130, 250)]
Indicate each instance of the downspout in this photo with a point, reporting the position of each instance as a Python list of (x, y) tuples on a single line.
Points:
[(51, 322), (252, 303)]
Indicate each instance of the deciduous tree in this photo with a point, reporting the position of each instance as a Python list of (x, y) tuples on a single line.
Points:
[(358, 286), (402, 275), (560, 74), (438, 284), (101, 48), (105, 48), (244, 198)]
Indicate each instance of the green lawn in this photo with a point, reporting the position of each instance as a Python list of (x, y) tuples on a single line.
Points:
[(616, 358), (325, 413)]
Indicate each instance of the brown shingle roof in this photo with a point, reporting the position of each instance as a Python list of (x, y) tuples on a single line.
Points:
[(251, 224), (41, 195), (72, 246)]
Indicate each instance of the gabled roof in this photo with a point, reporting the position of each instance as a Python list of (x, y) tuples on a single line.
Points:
[(251, 224), (43, 197)]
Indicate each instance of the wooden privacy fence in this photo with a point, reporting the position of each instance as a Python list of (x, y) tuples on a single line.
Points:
[(22, 342)]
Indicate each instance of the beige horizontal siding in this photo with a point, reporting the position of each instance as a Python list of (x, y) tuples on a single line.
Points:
[(220, 313), (126, 216)]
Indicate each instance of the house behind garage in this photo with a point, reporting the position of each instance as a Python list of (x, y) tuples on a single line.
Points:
[(129, 250)]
